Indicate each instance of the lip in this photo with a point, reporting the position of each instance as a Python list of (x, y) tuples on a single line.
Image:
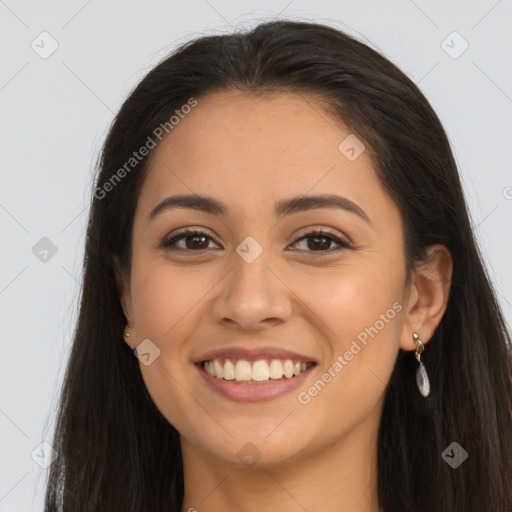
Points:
[(253, 392), (253, 354)]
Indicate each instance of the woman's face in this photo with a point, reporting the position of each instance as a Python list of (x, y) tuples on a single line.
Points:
[(260, 281)]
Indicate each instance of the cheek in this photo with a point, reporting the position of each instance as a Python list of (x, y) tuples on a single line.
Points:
[(356, 302), (361, 320), (165, 297), (165, 301)]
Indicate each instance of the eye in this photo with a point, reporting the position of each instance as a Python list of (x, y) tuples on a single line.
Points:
[(194, 240), (320, 241)]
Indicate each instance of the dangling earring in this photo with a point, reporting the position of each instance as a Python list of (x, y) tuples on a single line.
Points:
[(421, 374)]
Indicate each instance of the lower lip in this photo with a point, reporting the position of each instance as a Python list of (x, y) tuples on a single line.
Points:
[(253, 392)]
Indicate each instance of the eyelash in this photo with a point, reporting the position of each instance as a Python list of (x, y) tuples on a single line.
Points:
[(169, 243)]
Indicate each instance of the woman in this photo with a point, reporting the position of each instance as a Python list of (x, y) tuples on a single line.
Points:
[(279, 235)]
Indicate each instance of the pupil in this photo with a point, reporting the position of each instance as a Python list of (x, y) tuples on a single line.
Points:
[(317, 244), (192, 245)]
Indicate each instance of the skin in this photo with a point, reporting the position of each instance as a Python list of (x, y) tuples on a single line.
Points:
[(249, 153)]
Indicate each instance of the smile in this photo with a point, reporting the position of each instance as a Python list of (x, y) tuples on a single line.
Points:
[(241, 380), (255, 372)]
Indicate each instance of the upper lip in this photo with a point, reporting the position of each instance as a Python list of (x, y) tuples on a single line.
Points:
[(253, 354)]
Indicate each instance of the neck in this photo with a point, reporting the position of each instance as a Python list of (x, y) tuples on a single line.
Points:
[(342, 477)]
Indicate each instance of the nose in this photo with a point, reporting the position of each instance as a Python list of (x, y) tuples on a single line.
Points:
[(253, 295)]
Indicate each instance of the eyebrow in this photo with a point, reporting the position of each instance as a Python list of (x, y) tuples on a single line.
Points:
[(285, 207)]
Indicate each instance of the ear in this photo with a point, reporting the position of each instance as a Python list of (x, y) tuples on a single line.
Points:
[(428, 296), (123, 285)]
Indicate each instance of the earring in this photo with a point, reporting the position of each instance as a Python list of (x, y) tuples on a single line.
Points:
[(127, 334), (421, 374)]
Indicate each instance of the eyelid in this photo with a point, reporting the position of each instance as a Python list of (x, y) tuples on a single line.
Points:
[(169, 241), (315, 228), (183, 232), (188, 229)]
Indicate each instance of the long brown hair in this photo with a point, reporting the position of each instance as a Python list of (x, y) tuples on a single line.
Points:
[(116, 452)]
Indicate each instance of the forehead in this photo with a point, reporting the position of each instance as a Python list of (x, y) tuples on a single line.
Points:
[(237, 126), (248, 149)]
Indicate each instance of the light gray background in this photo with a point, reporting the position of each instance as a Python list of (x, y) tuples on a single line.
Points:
[(54, 113)]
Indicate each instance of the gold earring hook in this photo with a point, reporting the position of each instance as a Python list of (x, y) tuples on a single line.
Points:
[(419, 346)]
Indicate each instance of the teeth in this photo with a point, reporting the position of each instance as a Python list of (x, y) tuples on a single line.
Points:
[(276, 369), (260, 371), (243, 370), (218, 369), (288, 369), (256, 371), (228, 370)]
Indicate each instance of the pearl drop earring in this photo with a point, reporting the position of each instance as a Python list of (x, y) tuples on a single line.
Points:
[(422, 379)]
